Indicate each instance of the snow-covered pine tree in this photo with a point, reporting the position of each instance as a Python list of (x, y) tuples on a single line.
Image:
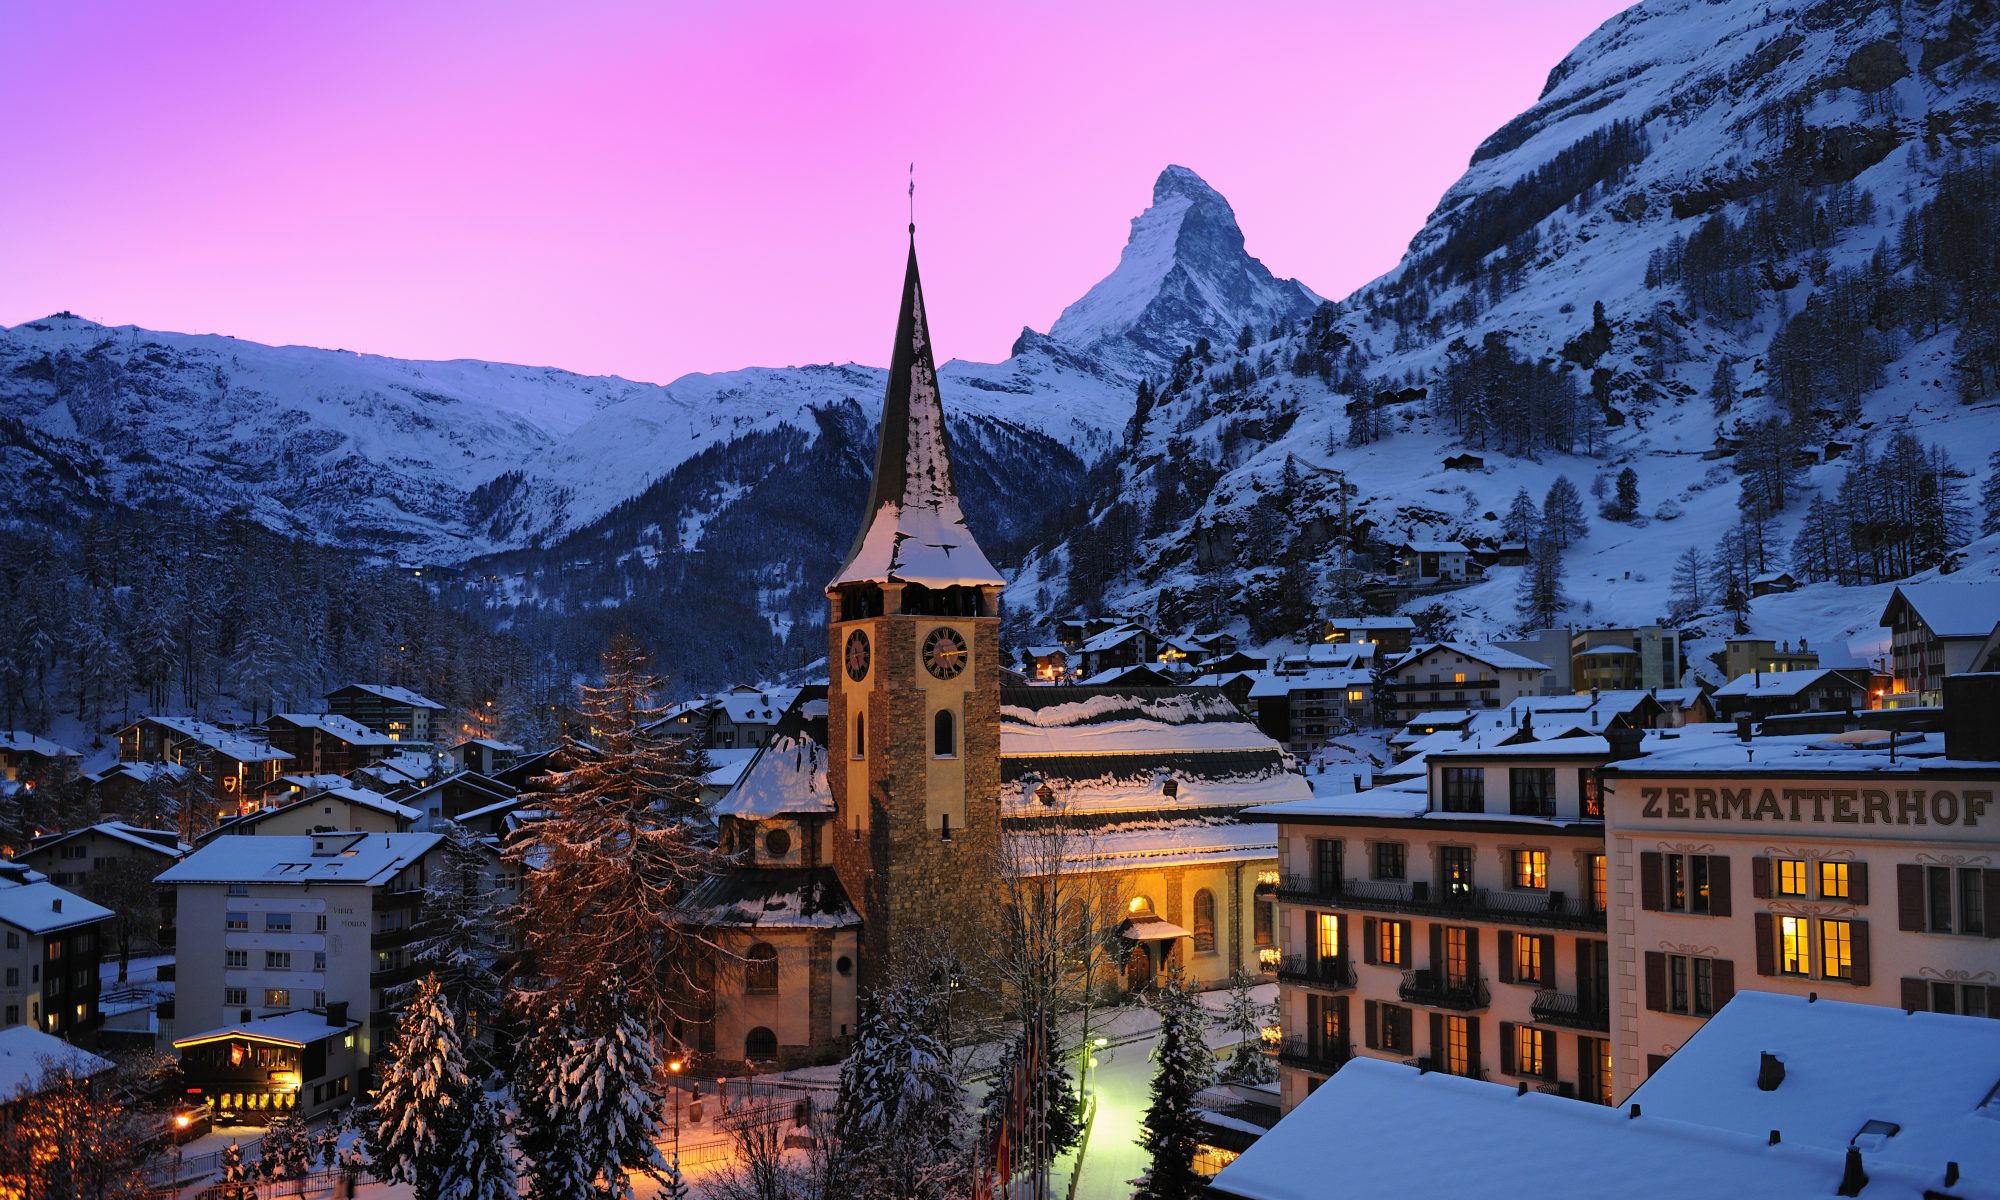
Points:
[(458, 942), (1625, 499), (418, 1112), (480, 1168), (235, 1183), (1246, 1018), (589, 1106), (1172, 1129), (673, 1185), (1562, 514), (900, 1107), (1722, 387), (544, 1128), (287, 1150), (1049, 1118), (1522, 519), (616, 852)]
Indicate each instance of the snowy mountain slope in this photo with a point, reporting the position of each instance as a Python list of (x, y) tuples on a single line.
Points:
[(1183, 275), (1778, 147)]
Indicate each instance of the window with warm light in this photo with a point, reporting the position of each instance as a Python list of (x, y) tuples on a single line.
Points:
[(1457, 955), (1791, 876), (1600, 882), (1794, 946), (1389, 943), (1204, 922), (1528, 958), (1833, 881), (1326, 939), (1455, 870), (1528, 1058), (1531, 869), (1458, 677), (1836, 949), (1356, 696), (1457, 1046)]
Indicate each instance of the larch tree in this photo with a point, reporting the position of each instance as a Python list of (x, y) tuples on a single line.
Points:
[(77, 1139), (615, 854), (1562, 514), (1522, 519), (1690, 583), (1172, 1130), (422, 1105), (1540, 598), (458, 941), (1989, 497)]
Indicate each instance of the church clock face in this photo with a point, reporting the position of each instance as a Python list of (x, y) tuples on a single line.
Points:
[(857, 655), (944, 653)]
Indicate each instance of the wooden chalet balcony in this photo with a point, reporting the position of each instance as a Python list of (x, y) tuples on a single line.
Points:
[(1307, 1054), (1552, 909), (1432, 990), (1561, 1008), (1327, 974)]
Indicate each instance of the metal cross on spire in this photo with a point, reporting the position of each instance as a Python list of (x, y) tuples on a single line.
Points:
[(913, 197)]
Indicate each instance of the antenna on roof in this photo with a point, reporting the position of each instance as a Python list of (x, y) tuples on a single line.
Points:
[(913, 199)]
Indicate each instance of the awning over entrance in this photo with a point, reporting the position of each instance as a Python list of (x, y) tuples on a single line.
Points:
[(1152, 929)]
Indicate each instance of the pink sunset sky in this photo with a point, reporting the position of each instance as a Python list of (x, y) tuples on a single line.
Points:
[(648, 189)]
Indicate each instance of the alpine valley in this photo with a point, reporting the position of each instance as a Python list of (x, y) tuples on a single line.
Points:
[(1748, 250)]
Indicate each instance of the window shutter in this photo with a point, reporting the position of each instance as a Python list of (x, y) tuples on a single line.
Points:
[(1760, 877), (1910, 897), (1506, 956), (1723, 975), (1439, 1058), (1550, 1070), (1472, 951), (1991, 886), (1472, 1068), (1506, 1047), (1857, 882), (1370, 1014), (1916, 997), (1652, 889), (1859, 947), (1370, 927), (1718, 885), (1767, 955), (1437, 950), (1548, 976), (1656, 981)]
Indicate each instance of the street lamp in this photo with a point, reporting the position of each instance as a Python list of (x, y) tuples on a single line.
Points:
[(674, 1068)]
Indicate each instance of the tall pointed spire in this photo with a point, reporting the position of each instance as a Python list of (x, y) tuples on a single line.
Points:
[(913, 530)]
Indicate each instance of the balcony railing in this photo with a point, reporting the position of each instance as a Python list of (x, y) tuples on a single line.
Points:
[(1545, 908), (1329, 974), (1560, 1008), (1308, 889), (1433, 990), (1308, 1054)]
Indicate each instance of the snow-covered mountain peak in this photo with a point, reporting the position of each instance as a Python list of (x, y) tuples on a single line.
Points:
[(1184, 274)]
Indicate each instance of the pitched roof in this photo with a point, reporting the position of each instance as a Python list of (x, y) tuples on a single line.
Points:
[(40, 907), (20, 741), (25, 1052), (354, 858), (1492, 656), (391, 693), (788, 775), (299, 1028), (159, 841), (1951, 609), (913, 529), (772, 897), (1783, 683), (346, 729), (240, 746)]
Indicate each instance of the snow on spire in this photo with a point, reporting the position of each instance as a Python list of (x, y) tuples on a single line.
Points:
[(914, 529)]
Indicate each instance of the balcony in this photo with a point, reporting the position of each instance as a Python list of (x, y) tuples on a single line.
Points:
[(1306, 1054), (1327, 974), (1432, 990), (1556, 910), (1572, 1012), (1308, 889)]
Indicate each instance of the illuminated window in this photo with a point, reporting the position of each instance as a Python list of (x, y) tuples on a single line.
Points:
[(1458, 677), (1327, 929), (1795, 946), (1833, 881), (1457, 955), (1687, 883), (1457, 1046), (1836, 949), (1204, 922), (1791, 877), (1531, 868), (1600, 883), (1209, 1160), (1389, 943), (1455, 867), (1528, 1050), (1356, 696), (277, 998), (1527, 958)]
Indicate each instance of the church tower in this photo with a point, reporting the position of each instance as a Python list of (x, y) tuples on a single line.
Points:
[(913, 701)]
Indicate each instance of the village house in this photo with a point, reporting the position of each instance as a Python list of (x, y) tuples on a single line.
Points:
[(396, 712), (1648, 656), (1746, 655), (238, 765), (326, 743), (484, 755), (1935, 630), (115, 863), (1304, 708), (303, 1063), (51, 942), (1825, 689), (1391, 635), (1046, 663), (338, 809), (35, 761), (1452, 675), (1433, 563)]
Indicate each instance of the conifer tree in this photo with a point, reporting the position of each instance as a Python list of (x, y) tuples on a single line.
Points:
[(421, 1109), (1522, 520), (235, 1183), (1989, 497), (1562, 514), (480, 1166), (1540, 598), (590, 1108), (1625, 498), (617, 851), (1246, 1018), (1172, 1130), (287, 1149), (1722, 387), (458, 941), (899, 1111), (1049, 1110)]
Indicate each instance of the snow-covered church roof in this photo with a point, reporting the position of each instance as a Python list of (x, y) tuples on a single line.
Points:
[(913, 530)]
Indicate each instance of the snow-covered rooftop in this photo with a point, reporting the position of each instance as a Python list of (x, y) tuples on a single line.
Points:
[(346, 858), (393, 694), (1274, 683), (301, 1028), (788, 775), (1951, 609), (766, 897), (159, 841), (20, 741), (1492, 656), (1932, 1076), (1774, 684), (238, 746), (26, 1052), (1717, 748), (40, 907), (345, 728)]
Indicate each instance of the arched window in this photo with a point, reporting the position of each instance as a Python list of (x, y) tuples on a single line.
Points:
[(861, 735), (760, 969), (1266, 913), (1204, 922), (944, 734), (760, 1043)]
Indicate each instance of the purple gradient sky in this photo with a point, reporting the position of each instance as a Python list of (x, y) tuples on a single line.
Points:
[(648, 189)]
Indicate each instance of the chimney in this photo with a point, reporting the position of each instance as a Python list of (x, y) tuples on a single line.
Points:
[(1770, 1072), (1852, 1177), (1951, 1174), (1624, 741), (1970, 733), (1743, 726), (336, 1012), (55, 906), (1774, 1138)]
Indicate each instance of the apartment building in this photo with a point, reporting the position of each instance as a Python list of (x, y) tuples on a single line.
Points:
[(51, 942)]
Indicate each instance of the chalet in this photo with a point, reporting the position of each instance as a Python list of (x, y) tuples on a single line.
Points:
[(26, 758), (1303, 709), (1392, 634), (120, 787), (1726, 446), (485, 755), (1744, 655), (1647, 656), (1075, 631), (1935, 630), (1772, 583), (77, 858), (1045, 664), (1452, 675), (27, 1055), (239, 764), (1430, 563), (1235, 685), (1123, 646), (1465, 462), (1136, 675), (327, 743), (301, 1063), (746, 715), (454, 796), (1823, 690), (398, 712), (689, 718), (1234, 660)]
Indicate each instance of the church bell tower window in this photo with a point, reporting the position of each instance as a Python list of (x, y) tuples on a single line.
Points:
[(944, 734)]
